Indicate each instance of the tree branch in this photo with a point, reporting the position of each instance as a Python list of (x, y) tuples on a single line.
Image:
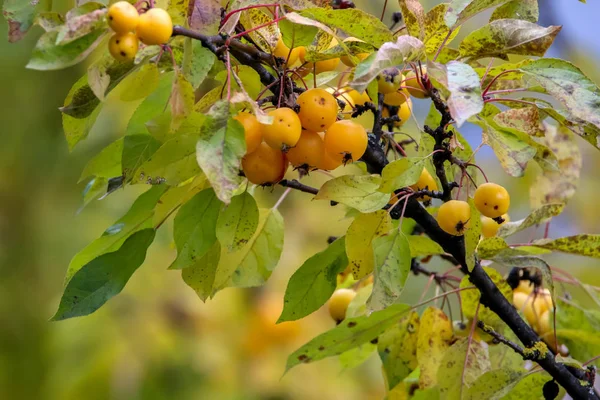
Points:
[(294, 184)]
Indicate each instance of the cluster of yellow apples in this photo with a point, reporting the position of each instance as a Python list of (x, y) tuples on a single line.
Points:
[(312, 138), (536, 305), (154, 27), (492, 201)]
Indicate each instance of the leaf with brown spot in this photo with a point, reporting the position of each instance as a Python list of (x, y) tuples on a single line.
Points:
[(461, 366), (397, 349), (536, 217), (587, 245), (435, 336), (526, 10), (508, 36), (81, 25), (414, 17), (567, 84), (361, 233), (461, 10), (205, 16), (436, 31), (350, 334), (356, 191), (265, 37), (237, 222), (525, 119), (20, 15), (470, 299)]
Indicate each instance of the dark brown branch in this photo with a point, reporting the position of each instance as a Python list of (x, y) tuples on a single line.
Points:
[(294, 184), (501, 339), (418, 269)]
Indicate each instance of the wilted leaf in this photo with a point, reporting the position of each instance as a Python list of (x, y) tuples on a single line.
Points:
[(81, 25), (255, 20), (462, 364), (526, 10), (349, 334), (421, 246), (182, 101), (106, 164), (535, 218), (103, 277), (253, 264), (406, 48), (47, 55), (508, 36), (414, 17), (361, 233), (570, 86), (201, 275), (392, 267), (194, 230), (219, 150), (465, 91), (354, 22), (401, 173), (461, 10), (436, 30), (434, 338), (204, 16), (20, 15), (558, 186), (314, 282), (48, 20), (356, 191), (397, 348), (238, 222)]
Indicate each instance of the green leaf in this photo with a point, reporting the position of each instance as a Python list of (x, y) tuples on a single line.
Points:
[(356, 356), (406, 48), (356, 191), (494, 384), (508, 36), (421, 246), (528, 387), (107, 163), (194, 230), (296, 35), (567, 84), (47, 20), (47, 55), (414, 17), (141, 83), (397, 348), (201, 276), (461, 10), (535, 218), (354, 22), (526, 10), (94, 189), (253, 264), (198, 63), (138, 217), (81, 25), (314, 282), (495, 246), (436, 30), (174, 162), (587, 245), (219, 150), (577, 328), (182, 101), (361, 233), (560, 185), (349, 334), (434, 338), (20, 15), (103, 277), (401, 173), (470, 299), (137, 149), (392, 267), (472, 235), (458, 372), (238, 222), (77, 129), (152, 107)]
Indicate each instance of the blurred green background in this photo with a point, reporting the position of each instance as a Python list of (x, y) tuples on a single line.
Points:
[(157, 340)]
